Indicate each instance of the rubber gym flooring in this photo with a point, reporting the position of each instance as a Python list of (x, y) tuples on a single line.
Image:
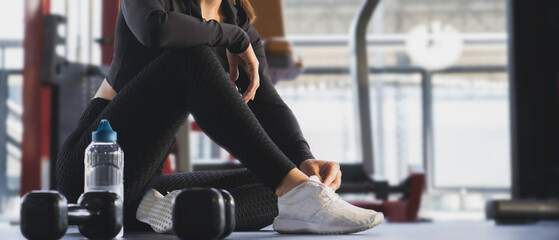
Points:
[(386, 231)]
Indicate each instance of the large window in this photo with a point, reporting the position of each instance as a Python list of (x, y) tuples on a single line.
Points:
[(463, 47)]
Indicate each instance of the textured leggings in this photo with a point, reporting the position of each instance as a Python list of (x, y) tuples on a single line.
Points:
[(147, 113)]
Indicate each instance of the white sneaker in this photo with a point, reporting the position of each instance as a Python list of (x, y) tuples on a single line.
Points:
[(313, 207), (157, 210)]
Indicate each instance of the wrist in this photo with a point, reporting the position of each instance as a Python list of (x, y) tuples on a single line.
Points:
[(305, 162)]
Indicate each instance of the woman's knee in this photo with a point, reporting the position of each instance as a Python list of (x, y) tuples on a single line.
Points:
[(200, 56), (181, 66)]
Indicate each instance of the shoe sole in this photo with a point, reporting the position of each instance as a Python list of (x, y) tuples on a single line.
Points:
[(288, 226)]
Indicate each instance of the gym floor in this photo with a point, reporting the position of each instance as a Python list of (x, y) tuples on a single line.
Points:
[(458, 230)]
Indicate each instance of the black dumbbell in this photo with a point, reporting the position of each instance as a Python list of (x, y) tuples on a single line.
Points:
[(47, 214), (203, 213)]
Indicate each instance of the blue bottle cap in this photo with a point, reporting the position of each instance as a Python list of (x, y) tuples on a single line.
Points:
[(104, 133)]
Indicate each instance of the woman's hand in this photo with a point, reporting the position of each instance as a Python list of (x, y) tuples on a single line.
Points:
[(328, 172), (249, 62)]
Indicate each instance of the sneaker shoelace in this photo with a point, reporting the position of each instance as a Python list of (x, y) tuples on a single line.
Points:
[(325, 192)]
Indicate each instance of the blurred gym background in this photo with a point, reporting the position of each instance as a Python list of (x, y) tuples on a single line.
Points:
[(439, 85)]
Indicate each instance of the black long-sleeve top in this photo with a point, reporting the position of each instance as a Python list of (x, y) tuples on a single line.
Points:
[(146, 28)]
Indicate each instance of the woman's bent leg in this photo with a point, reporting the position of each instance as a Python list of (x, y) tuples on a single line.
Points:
[(223, 115), (148, 111)]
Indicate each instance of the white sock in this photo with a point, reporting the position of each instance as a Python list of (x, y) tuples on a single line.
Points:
[(313, 207), (157, 210)]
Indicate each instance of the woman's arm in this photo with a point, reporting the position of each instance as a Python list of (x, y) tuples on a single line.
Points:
[(153, 26), (282, 126), (271, 111)]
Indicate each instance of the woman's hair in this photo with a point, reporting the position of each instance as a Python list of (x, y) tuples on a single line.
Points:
[(248, 9)]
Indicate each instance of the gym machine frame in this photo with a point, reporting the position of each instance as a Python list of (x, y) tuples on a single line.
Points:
[(72, 85), (534, 101), (362, 177)]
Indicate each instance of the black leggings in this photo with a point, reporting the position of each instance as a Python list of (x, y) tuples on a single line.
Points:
[(147, 113)]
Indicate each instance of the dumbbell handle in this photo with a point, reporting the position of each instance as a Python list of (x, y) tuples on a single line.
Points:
[(78, 215)]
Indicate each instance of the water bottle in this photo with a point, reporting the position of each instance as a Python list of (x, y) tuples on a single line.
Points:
[(104, 162)]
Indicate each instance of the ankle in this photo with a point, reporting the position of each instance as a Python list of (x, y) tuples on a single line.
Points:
[(290, 181)]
